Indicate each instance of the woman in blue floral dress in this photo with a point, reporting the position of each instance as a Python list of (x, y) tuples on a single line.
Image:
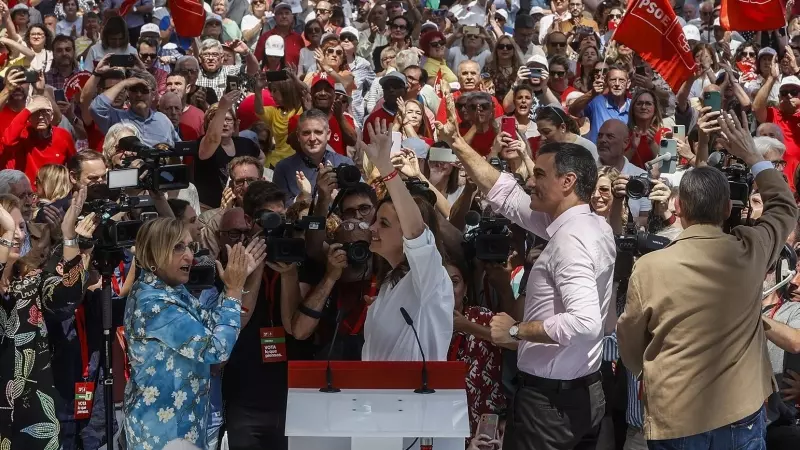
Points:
[(173, 340)]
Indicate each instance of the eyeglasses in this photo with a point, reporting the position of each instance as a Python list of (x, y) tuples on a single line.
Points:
[(362, 210), (794, 93), (235, 235), (558, 44), (336, 51), (436, 44), (505, 47), (395, 26), (780, 165), (147, 56), (615, 16), (480, 106), (558, 73), (37, 35), (314, 30), (211, 55), (350, 226), (750, 54), (244, 181), (181, 248), (320, 11), (230, 120)]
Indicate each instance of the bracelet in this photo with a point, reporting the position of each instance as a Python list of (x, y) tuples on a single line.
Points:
[(70, 242), (305, 310), (670, 221), (6, 243), (390, 176)]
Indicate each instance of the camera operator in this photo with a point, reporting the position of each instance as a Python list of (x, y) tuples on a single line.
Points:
[(704, 315), (31, 297), (171, 336), (612, 140), (313, 132), (567, 297)]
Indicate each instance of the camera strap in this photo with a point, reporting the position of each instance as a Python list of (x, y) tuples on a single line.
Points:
[(114, 283), (84, 391), (269, 284)]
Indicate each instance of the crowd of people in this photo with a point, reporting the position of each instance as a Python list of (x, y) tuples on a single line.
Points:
[(493, 168)]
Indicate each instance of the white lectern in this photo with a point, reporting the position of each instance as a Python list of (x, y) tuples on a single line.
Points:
[(377, 408)]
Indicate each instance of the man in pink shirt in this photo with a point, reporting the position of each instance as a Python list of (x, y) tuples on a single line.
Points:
[(559, 400)]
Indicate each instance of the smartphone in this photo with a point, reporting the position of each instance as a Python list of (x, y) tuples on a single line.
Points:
[(440, 154), (509, 125), (668, 146), (712, 99), (640, 70), (679, 132), (60, 95), (121, 61), (148, 216), (31, 76), (536, 73), (397, 139), (276, 75), (471, 29), (231, 83), (488, 425)]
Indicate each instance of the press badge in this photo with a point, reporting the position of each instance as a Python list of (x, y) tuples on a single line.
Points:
[(273, 344), (84, 397)]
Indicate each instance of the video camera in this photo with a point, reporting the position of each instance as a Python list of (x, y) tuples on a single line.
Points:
[(105, 203), (281, 245), (631, 245), (347, 176), (740, 181), (489, 241), (501, 165), (154, 174)]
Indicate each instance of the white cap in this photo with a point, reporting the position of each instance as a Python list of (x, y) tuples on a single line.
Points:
[(349, 30), (503, 13), (790, 81), (274, 46), (428, 24), (692, 33), (538, 59), (150, 28), (536, 10)]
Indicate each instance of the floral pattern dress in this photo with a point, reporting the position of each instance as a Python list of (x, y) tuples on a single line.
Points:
[(484, 361), (27, 403), (173, 340)]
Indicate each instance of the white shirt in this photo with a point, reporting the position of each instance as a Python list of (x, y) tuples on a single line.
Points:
[(456, 57), (569, 287), (643, 204), (426, 292), (65, 27), (470, 14)]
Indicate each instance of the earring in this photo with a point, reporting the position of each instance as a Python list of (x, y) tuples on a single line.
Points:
[(152, 269)]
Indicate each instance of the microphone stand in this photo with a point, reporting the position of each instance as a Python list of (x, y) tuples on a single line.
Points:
[(329, 388), (424, 389)]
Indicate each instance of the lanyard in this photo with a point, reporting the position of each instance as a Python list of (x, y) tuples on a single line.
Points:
[(269, 285), (775, 308), (356, 328), (80, 328), (455, 345), (114, 282)]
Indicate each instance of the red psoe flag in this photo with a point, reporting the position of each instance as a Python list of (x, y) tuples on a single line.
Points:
[(126, 7), (441, 113), (751, 15), (651, 28)]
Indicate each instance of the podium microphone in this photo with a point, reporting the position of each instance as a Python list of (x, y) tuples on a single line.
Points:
[(329, 388), (424, 389)]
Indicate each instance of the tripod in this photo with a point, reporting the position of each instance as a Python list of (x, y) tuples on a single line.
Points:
[(105, 260)]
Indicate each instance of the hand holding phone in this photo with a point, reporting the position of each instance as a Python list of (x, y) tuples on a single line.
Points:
[(713, 99), (509, 125)]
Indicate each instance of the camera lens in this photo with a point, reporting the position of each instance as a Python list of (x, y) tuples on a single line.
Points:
[(347, 175), (358, 252), (637, 188)]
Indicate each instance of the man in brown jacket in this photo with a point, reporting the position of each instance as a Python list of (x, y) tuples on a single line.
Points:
[(692, 324)]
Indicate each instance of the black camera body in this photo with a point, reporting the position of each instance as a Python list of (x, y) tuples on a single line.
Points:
[(282, 246), (489, 241), (155, 174), (419, 188), (638, 187), (358, 252), (347, 176), (631, 245), (500, 164), (110, 233)]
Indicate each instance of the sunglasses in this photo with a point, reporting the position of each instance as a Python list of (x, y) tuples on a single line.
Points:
[(750, 54), (604, 189), (558, 44), (436, 44), (348, 38), (235, 235), (505, 47), (332, 51), (480, 106), (597, 72), (615, 16), (147, 55), (399, 27), (558, 74), (794, 93), (322, 11)]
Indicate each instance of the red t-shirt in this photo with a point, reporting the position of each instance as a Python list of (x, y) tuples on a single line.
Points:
[(292, 43), (247, 109), (482, 142), (95, 138), (7, 115), (336, 140), (498, 108), (27, 153), (790, 125), (643, 153), (375, 117), (191, 123)]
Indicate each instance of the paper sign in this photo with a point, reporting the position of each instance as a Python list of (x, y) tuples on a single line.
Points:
[(74, 84), (297, 8), (273, 344), (84, 398)]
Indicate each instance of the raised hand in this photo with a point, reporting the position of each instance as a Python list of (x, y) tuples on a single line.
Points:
[(303, 184), (256, 252), (406, 163), (235, 273), (708, 121), (326, 181), (228, 100), (7, 224), (740, 142), (71, 217), (380, 147), (87, 226), (228, 198), (337, 261)]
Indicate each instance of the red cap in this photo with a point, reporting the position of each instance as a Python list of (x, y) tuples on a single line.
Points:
[(320, 78)]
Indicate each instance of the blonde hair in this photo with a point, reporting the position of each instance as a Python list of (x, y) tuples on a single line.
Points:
[(52, 182), (9, 202), (212, 111), (155, 241), (612, 173)]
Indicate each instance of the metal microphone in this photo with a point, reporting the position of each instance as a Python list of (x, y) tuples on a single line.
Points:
[(661, 158), (715, 158), (329, 388), (424, 389)]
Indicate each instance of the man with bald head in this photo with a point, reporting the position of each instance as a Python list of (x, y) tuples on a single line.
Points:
[(770, 129), (469, 77), (612, 140), (170, 105)]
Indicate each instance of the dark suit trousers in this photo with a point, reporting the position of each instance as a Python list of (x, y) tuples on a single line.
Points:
[(547, 418), (251, 429)]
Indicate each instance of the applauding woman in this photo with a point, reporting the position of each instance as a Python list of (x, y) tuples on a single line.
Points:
[(173, 340), (28, 297), (404, 235)]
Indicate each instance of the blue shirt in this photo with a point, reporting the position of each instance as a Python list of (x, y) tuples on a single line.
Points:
[(285, 170), (599, 110), (154, 129), (173, 339)]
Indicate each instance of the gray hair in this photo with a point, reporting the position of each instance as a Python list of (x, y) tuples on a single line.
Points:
[(210, 44), (146, 76), (9, 177), (405, 58), (227, 4), (773, 129), (766, 144), (115, 134), (183, 60), (704, 195)]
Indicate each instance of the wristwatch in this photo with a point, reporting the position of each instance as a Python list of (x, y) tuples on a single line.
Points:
[(514, 331)]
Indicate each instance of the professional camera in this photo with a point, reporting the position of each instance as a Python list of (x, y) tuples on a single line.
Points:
[(282, 246), (105, 204), (633, 244), (740, 182), (202, 274), (638, 187), (347, 176), (357, 252), (500, 164), (154, 174), (489, 240)]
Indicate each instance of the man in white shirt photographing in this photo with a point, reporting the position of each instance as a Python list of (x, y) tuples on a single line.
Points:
[(559, 399)]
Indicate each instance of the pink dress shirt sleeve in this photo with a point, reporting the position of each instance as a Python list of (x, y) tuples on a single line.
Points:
[(508, 199)]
